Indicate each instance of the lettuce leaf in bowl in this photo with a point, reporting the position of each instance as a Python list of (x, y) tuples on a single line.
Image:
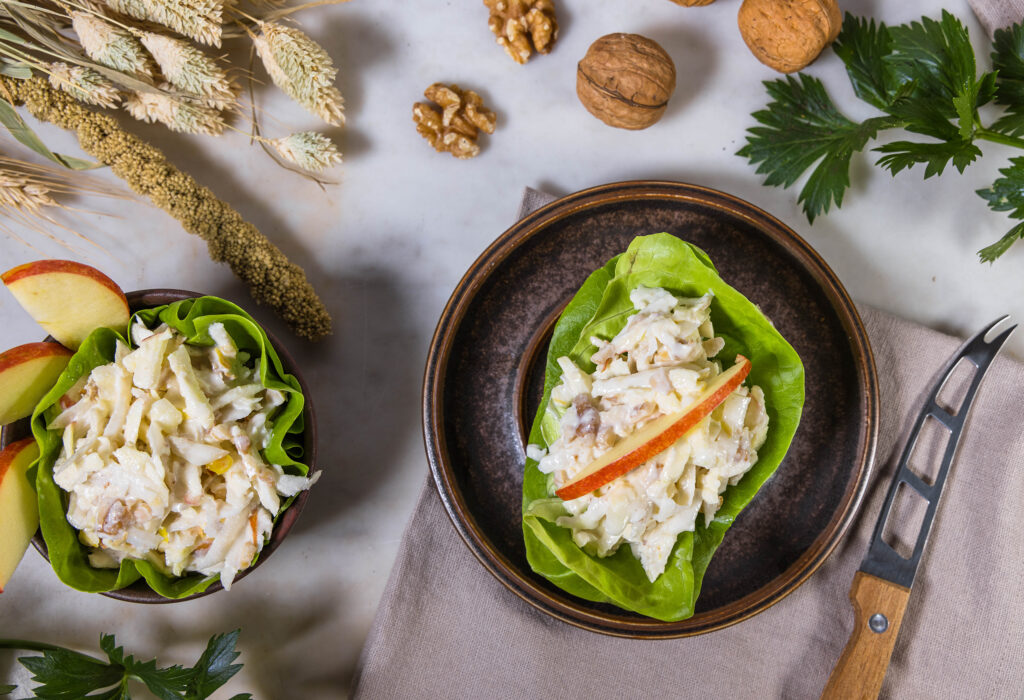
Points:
[(601, 308), (191, 318)]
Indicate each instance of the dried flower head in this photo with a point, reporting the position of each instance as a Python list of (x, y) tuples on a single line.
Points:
[(197, 19), (189, 69), (110, 45), (176, 114), (307, 149), (302, 69), (83, 84)]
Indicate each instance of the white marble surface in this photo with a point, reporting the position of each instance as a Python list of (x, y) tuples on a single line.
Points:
[(388, 245)]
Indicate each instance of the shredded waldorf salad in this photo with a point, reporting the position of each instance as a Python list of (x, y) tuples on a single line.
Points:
[(161, 456), (658, 364)]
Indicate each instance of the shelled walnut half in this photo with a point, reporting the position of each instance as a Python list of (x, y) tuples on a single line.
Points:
[(523, 26), (455, 127)]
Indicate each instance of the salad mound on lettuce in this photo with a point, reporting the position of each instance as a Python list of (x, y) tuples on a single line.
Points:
[(193, 431), (643, 334)]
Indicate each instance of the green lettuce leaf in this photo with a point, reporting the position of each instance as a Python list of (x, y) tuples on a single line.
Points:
[(601, 308), (192, 318)]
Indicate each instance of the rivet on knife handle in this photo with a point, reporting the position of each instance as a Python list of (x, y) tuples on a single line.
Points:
[(881, 588)]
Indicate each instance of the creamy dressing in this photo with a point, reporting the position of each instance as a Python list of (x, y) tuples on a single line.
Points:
[(161, 456), (657, 364)]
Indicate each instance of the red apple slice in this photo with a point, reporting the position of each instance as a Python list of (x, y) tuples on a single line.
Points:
[(27, 372), (19, 514), (68, 299), (655, 437)]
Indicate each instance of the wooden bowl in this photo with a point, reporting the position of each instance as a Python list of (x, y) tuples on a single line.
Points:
[(140, 592), (485, 374)]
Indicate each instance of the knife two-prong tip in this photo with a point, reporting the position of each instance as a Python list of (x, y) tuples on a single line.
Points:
[(1001, 338)]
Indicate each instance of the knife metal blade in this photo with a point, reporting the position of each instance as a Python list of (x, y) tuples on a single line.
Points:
[(881, 587)]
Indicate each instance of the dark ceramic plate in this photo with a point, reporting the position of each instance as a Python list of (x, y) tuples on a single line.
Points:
[(485, 373), (140, 592)]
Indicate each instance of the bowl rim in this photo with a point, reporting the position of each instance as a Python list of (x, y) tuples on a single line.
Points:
[(564, 606), (139, 591)]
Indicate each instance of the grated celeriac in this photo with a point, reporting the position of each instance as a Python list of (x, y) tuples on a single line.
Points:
[(656, 365), (161, 456)]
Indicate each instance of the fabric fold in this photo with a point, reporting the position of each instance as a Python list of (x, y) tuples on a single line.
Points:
[(996, 14)]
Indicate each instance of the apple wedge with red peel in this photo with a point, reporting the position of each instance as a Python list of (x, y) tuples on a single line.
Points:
[(655, 437), (68, 299), (19, 514), (27, 372)]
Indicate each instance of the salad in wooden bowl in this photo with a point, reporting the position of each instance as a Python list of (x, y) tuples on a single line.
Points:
[(174, 448)]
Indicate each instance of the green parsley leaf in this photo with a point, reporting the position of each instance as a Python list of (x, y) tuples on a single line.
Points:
[(165, 683), (63, 674), (904, 154), (1008, 62), (990, 253), (7, 689), (937, 57), (923, 76), (862, 46), (979, 92), (802, 127), (214, 667), (1006, 194), (936, 61), (67, 675)]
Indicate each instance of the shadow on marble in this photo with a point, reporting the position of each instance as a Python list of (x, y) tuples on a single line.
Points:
[(356, 44), (694, 58), (564, 17), (353, 143), (278, 633), (366, 383), (861, 8), (255, 206), (548, 187)]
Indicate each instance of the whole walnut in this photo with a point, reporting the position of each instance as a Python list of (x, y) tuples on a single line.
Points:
[(626, 80), (788, 35)]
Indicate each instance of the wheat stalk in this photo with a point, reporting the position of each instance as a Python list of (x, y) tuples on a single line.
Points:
[(28, 191), (83, 84), (302, 69), (177, 114), (308, 150), (189, 69), (161, 77), (18, 192), (112, 46), (197, 19)]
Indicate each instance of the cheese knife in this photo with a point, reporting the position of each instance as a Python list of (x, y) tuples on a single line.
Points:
[(881, 588)]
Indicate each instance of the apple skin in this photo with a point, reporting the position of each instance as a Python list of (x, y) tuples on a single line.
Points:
[(27, 372), (655, 437), (68, 299), (19, 513)]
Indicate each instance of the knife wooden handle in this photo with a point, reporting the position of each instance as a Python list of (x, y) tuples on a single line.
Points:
[(861, 669)]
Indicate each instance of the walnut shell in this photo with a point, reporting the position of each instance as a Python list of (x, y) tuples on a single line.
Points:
[(788, 35), (693, 3), (625, 80)]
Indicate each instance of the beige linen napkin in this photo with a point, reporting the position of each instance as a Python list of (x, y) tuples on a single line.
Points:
[(447, 629), (995, 14)]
